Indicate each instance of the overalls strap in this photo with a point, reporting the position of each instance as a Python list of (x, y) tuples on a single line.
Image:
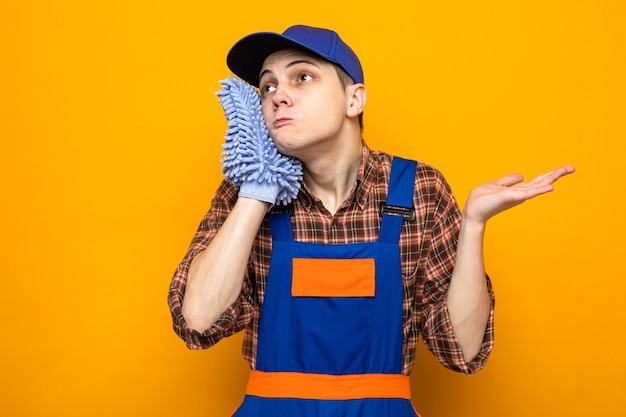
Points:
[(399, 204), (280, 226)]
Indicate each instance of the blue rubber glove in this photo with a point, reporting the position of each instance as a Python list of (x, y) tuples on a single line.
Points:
[(250, 160)]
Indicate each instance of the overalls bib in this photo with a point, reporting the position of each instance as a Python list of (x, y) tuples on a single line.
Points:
[(330, 332)]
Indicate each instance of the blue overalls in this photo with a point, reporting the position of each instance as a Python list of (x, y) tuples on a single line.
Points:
[(330, 333)]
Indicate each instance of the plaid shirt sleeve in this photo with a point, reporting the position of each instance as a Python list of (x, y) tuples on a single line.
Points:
[(237, 316), (437, 331)]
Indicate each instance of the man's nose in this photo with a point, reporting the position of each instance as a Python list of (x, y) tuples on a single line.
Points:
[(282, 96)]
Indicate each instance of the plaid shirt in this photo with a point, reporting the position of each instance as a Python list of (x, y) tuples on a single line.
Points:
[(427, 244)]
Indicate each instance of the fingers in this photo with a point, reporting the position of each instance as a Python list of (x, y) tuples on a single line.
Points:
[(510, 179), (543, 179), (552, 176)]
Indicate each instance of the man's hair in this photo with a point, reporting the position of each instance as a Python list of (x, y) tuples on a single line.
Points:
[(346, 80)]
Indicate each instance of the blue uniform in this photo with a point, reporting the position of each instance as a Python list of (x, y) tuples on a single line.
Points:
[(330, 333)]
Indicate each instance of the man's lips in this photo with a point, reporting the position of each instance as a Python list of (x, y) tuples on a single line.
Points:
[(281, 121)]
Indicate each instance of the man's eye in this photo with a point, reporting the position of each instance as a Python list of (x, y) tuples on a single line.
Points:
[(267, 89), (306, 77)]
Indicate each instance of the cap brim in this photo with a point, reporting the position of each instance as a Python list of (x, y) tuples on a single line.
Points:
[(245, 59)]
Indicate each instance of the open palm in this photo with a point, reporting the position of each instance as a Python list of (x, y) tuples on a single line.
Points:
[(489, 199)]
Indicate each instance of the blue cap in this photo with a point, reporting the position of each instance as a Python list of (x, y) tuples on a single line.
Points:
[(246, 57)]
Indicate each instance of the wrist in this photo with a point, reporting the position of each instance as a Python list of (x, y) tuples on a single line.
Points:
[(472, 225), (252, 203), (252, 207)]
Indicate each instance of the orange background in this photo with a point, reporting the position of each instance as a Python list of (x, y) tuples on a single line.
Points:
[(111, 136)]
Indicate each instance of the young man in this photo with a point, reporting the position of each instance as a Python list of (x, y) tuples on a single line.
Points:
[(334, 291)]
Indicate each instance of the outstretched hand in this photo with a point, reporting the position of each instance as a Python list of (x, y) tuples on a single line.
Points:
[(487, 200)]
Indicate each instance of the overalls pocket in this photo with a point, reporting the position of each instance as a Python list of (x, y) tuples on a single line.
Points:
[(331, 311)]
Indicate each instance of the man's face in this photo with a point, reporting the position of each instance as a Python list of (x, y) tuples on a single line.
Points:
[(303, 102)]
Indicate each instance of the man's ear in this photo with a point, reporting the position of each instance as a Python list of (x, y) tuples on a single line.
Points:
[(357, 94)]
